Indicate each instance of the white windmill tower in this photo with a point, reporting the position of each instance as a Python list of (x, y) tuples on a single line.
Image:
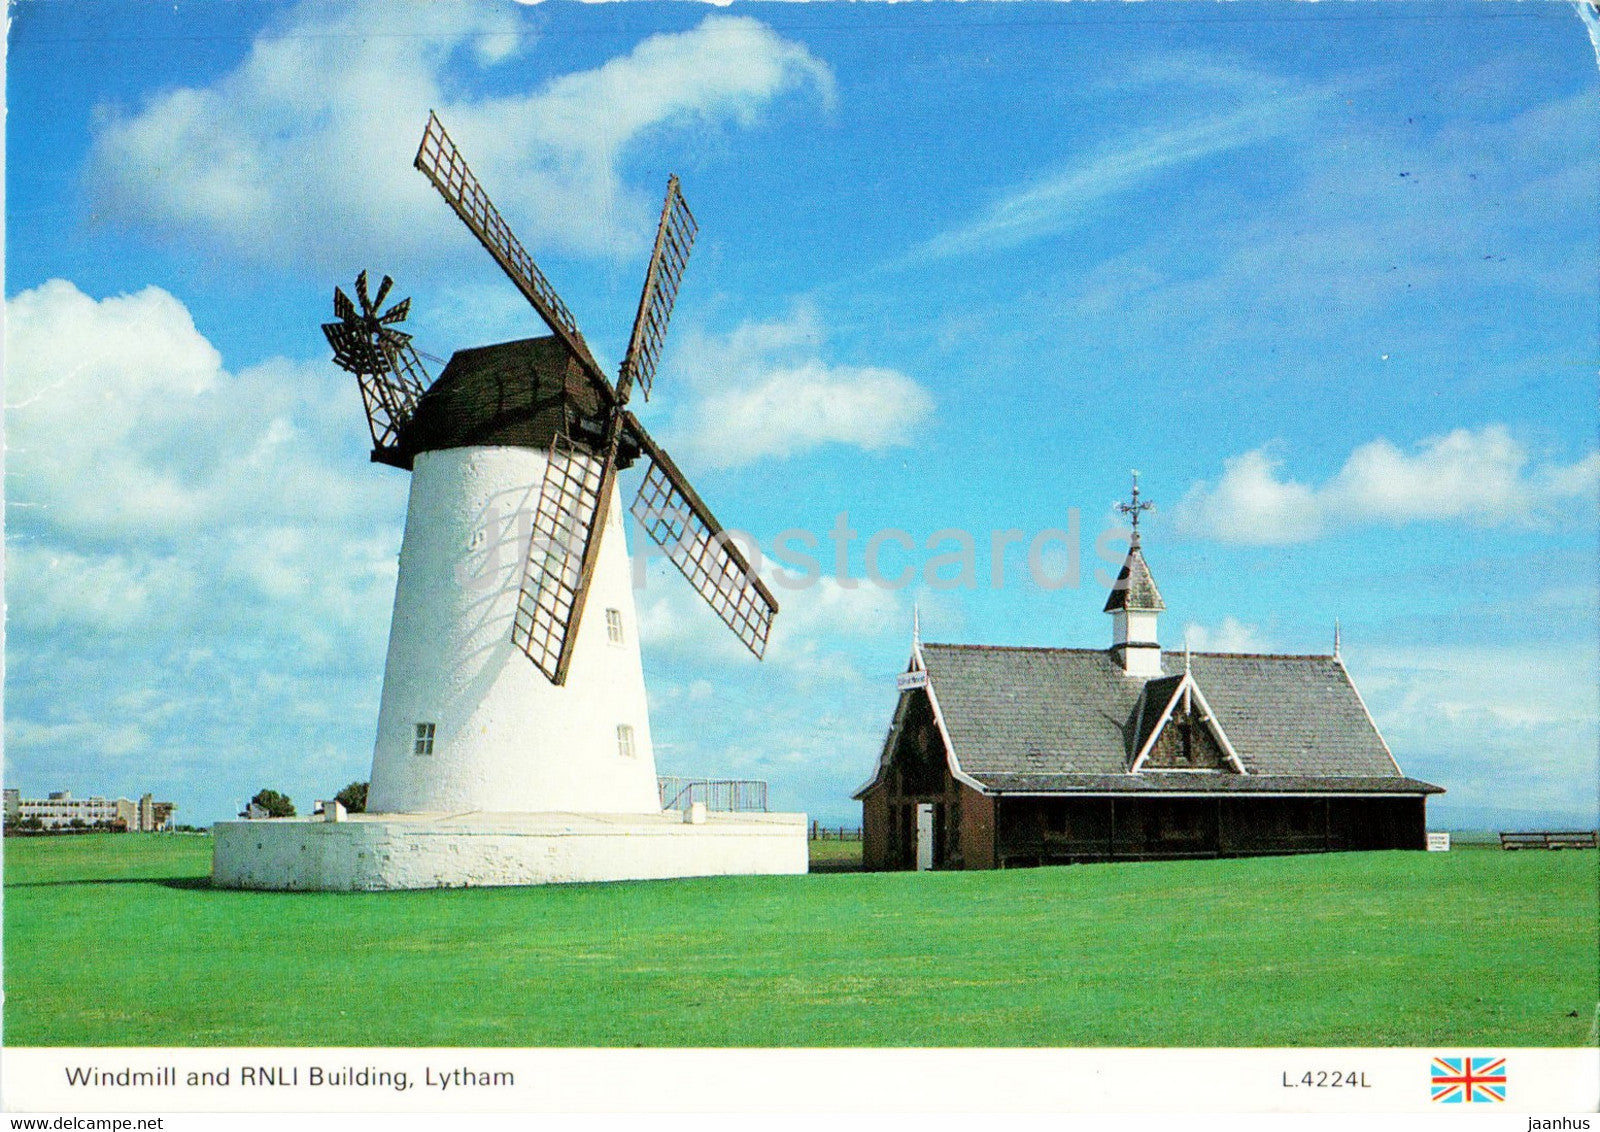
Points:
[(513, 737)]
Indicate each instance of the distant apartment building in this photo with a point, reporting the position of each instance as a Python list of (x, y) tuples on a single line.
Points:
[(61, 809)]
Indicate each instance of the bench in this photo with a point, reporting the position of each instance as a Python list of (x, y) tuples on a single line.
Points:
[(1567, 839)]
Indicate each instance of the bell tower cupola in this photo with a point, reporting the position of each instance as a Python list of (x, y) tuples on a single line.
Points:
[(1135, 602)]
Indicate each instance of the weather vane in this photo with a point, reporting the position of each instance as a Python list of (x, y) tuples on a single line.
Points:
[(1134, 508)]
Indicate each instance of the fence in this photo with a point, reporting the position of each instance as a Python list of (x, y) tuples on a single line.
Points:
[(738, 796), (837, 833)]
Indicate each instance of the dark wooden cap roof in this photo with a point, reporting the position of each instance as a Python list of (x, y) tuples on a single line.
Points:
[(1033, 719), (512, 393)]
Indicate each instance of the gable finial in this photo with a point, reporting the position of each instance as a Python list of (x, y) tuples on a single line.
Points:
[(1134, 509), (916, 627), (1336, 638), (1186, 650)]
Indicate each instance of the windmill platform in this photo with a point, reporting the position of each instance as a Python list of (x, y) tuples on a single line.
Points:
[(377, 852)]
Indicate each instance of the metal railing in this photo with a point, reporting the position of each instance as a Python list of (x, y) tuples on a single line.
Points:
[(740, 796)]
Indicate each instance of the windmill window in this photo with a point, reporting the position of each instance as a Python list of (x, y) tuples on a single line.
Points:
[(625, 741), (614, 626), (424, 741)]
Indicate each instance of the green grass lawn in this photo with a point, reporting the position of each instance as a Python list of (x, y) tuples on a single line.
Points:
[(835, 856), (113, 940)]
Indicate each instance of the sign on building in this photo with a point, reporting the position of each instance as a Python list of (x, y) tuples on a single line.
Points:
[(909, 680)]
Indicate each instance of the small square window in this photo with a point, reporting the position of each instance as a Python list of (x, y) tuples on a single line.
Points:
[(625, 741), (424, 744), (614, 626)]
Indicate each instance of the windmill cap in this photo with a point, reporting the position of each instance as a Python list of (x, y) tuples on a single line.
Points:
[(512, 393)]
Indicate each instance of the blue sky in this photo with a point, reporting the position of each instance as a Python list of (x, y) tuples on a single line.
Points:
[(1328, 275)]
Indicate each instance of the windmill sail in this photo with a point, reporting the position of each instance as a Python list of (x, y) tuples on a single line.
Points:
[(565, 543), (674, 515), (441, 162), (554, 576), (674, 237)]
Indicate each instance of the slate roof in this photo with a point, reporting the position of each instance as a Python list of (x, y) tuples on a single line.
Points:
[(1031, 719), (1134, 587), (1186, 782)]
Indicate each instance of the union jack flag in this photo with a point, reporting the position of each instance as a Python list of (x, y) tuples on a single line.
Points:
[(1469, 1080)]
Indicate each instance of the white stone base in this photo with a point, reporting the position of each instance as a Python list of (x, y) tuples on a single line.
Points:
[(369, 852)]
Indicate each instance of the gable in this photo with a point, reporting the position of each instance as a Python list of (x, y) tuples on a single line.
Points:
[(1186, 743), (917, 762), (1184, 734)]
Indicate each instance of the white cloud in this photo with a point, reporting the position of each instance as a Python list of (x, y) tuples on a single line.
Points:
[(765, 391), (675, 618), (1251, 504), (1482, 476), (1430, 686), (122, 423), (809, 716), (1232, 635), (305, 149), (1472, 718), (114, 741), (52, 588), (89, 385), (1589, 13), (1063, 199), (199, 563), (1463, 475), (830, 610)]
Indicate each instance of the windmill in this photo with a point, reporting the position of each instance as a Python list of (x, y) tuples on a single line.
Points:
[(499, 692)]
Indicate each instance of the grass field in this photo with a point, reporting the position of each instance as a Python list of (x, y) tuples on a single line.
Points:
[(835, 856), (120, 940)]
